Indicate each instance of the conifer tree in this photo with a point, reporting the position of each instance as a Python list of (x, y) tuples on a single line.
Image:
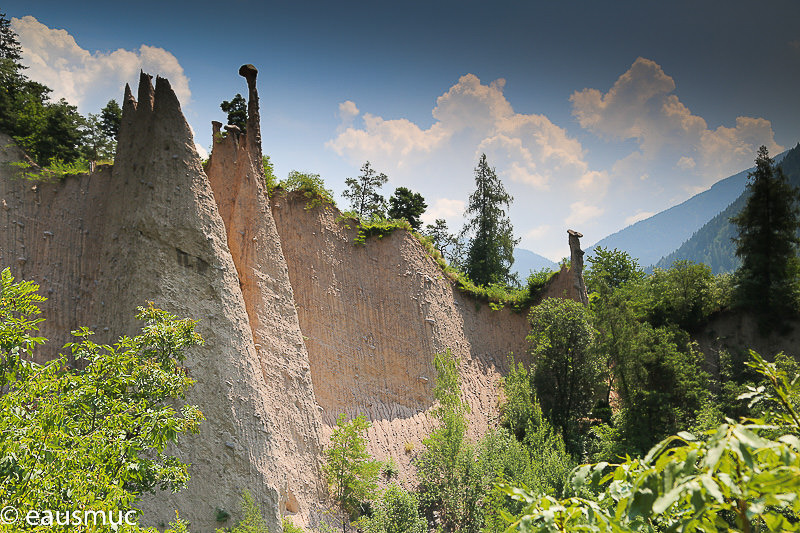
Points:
[(767, 242), (407, 204), (236, 108), (490, 253)]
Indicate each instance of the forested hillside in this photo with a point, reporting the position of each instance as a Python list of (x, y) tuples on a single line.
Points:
[(650, 239), (713, 243)]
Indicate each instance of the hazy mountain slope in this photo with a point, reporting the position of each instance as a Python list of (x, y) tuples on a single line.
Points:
[(712, 244), (651, 239), (525, 261)]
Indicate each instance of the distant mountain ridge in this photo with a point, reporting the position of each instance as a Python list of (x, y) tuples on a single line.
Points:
[(652, 239), (526, 261), (713, 244)]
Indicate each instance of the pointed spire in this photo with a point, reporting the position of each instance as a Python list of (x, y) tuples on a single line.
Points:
[(146, 91), (249, 72)]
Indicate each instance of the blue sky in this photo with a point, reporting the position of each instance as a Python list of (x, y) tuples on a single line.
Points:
[(595, 114)]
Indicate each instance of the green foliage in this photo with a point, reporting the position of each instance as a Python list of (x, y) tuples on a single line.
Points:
[(55, 171), (610, 269), (408, 205), (92, 437), (363, 193), (312, 187), (111, 119), (10, 48), (236, 108), (681, 295), (97, 144), (490, 253), (742, 477), (376, 226), (767, 244), (252, 521), (449, 245), (396, 512), (19, 321), (289, 527), (567, 372), (351, 472), (45, 130), (441, 465), (270, 179), (521, 414), (390, 469), (657, 373)]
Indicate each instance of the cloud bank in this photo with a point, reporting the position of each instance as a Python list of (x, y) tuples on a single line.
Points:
[(556, 180), (528, 149), (641, 106), (89, 79)]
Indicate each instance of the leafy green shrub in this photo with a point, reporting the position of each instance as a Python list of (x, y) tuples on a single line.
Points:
[(289, 527), (740, 476), (56, 170), (441, 465), (377, 226), (390, 469), (91, 438), (311, 185), (252, 521), (395, 512), (350, 470), (270, 179)]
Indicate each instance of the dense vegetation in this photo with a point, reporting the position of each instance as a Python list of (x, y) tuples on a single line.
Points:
[(87, 432), (713, 243), (53, 133), (620, 385)]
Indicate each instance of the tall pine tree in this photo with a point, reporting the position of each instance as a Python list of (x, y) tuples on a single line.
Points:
[(490, 253), (767, 243)]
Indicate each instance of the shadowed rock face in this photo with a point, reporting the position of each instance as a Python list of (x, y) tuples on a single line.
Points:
[(101, 245)]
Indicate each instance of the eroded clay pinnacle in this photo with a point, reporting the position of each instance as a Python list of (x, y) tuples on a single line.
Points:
[(249, 72)]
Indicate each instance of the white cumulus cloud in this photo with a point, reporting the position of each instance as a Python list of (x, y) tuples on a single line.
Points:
[(581, 212), (446, 208), (473, 118), (641, 106), (89, 79)]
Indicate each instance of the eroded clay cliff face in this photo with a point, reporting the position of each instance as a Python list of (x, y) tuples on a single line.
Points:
[(236, 175), (373, 316), (300, 324), (49, 234), (101, 245)]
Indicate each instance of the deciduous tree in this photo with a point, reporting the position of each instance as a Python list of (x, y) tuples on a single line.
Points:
[(567, 372), (352, 473), (92, 438)]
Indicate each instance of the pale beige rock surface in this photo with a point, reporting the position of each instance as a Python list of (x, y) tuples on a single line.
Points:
[(236, 175), (373, 316)]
